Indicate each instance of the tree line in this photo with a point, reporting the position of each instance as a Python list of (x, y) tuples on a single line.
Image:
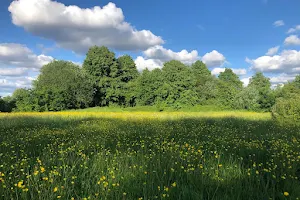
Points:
[(104, 80)]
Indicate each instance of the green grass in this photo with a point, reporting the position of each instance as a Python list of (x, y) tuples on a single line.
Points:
[(150, 156), (204, 108)]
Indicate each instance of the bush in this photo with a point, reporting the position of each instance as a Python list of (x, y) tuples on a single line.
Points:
[(287, 110)]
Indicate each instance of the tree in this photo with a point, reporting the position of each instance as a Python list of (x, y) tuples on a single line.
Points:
[(148, 84), (263, 85), (229, 85), (100, 63), (63, 85), (199, 70), (287, 110), (25, 100), (178, 78), (128, 70), (247, 99), (230, 77)]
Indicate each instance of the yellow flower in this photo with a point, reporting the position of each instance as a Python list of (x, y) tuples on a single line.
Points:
[(286, 194), (72, 198), (58, 197), (124, 193), (55, 189), (20, 184), (174, 184), (42, 169), (36, 172), (220, 165)]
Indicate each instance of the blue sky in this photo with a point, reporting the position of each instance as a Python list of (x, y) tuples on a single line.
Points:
[(232, 33)]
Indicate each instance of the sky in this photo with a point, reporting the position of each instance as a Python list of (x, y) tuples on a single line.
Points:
[(248, 36)]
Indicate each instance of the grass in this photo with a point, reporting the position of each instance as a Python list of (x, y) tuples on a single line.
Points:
[(148, 155), (201, 108)]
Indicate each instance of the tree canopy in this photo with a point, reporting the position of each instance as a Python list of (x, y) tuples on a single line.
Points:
[(105, 80)]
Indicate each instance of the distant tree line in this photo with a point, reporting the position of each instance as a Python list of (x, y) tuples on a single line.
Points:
[(105, 80)]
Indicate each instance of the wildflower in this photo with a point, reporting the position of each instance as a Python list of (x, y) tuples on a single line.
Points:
[(174, 184), (55, 189), (20, 184), (42, 169), (58, 197), (286, 194)]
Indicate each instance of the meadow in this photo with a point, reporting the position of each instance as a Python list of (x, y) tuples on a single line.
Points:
[(148, 155)]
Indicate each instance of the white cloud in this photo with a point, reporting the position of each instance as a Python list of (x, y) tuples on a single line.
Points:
[(20, 56), (214, 59), (156, 56), (162, 54), (278, 23), (281, 78), (293, 30), (288, 61), (292, 40), (246, 81), (272, 51), (77, 29), (12, 71), (16, 63), (9, 84), (142, 63), (238, 72)]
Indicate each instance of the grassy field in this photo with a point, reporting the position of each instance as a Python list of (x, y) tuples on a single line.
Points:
[(148, 155)]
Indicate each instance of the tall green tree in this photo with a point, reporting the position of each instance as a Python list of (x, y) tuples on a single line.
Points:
[(26, 100), (148, 85), (263, 85), (100, 63), (229, 85), (63, 85)]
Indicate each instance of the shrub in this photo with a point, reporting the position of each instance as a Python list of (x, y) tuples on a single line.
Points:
[(287, 110)]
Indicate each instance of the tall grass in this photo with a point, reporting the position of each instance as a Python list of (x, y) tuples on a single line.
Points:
[(147, 155)]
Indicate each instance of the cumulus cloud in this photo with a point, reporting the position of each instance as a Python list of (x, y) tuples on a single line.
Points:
[(293, 30), (77, 29), (156, 56), (246, 81), (292, 40), (281, 78), (142, 63), (218, 70), (162, 54), (272, 51), (18, 55), (9, 84), (16, 63), (214, 59), (12, 71), (288, 61), (278, 23)]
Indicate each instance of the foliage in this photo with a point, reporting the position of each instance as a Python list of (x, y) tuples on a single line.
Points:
[(262, 84), (107, 81), (7, 104), (62, 85), (287, 110)]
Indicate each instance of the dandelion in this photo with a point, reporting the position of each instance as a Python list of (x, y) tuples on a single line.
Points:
[(286, 194)]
